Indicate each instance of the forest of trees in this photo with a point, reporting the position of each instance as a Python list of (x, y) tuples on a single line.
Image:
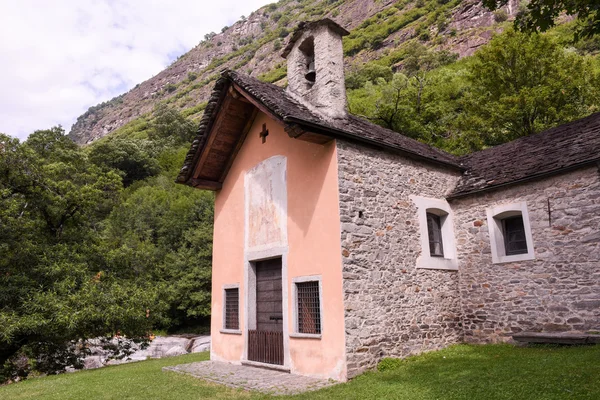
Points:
[(517, 85), (99, 241)]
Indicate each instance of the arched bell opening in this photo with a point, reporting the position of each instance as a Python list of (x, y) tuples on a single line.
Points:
[(307, 48)]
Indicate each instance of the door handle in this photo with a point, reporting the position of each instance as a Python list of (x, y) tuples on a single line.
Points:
[(275, 318)]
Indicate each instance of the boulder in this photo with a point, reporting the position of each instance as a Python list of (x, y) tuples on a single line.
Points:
[(176, 351), (93, 362), (200, 344), (162, 344)]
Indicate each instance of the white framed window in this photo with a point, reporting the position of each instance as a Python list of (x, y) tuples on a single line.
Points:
[(308, 307), (231, 309), (438, 250), (510, 233)]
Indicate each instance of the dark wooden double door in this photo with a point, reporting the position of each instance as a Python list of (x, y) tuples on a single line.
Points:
[(265, 343)]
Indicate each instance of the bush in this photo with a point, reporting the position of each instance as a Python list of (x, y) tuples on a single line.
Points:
[(192, 76), (170, 88), (276, 16), (370, 72), (283, 32), (500, 15)]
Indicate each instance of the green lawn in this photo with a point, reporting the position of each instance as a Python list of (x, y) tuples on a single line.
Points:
[(459, 372)]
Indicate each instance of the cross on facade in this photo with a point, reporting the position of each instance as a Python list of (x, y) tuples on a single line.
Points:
[(264, 133)]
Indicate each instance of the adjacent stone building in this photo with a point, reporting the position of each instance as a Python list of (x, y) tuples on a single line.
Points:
[(338, 242)]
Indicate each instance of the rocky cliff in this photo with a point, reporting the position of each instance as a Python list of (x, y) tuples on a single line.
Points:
[(379, 28)]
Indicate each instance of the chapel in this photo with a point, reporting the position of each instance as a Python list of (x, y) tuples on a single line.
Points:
[(338, 242)]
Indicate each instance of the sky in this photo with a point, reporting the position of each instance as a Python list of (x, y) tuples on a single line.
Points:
[(59, 57)]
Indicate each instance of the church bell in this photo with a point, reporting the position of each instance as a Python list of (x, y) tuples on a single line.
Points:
[(311, 74)]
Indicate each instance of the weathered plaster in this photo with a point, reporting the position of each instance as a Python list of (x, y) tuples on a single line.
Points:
[(312, 246), (266, 205)]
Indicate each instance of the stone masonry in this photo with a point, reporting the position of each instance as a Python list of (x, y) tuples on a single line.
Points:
[(392, 309), (327, 96), (559, 290)]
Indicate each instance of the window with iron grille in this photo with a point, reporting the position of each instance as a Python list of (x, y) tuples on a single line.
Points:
[(309, 307), (515, 241), (434, 229), (232, 309)]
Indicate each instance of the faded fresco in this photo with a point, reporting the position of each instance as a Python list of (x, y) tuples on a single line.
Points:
[(266, 204)]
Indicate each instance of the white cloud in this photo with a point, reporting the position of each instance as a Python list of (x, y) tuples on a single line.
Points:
[(57, 58)]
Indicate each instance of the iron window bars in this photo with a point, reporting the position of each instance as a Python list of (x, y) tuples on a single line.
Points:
[(232, 309), (309, 307)]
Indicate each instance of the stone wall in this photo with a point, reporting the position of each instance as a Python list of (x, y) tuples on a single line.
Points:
[(560, 289), (392, 309)]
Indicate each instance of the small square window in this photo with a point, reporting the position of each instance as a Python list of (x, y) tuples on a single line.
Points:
[(434, 229), (309, 307), (515, 241), (232, 309)]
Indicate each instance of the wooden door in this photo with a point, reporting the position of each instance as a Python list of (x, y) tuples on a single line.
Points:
[(265, 344)]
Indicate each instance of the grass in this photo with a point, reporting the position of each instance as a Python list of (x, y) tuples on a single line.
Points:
[(459, 372)]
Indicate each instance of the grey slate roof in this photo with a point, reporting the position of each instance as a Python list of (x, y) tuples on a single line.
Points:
[(289, 110), (564, 147)]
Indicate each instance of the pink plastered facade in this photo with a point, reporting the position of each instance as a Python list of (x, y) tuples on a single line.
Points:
[(294, 214)]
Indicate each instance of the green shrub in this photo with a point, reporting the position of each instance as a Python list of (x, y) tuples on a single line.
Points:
[(192, 76), (283, 32), (170, 88), (500, 15), (370, 72)]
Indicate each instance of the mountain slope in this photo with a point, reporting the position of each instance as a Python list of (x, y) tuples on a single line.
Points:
[(379, 29)]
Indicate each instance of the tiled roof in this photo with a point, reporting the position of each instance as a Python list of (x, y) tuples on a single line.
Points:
[(564, 147)]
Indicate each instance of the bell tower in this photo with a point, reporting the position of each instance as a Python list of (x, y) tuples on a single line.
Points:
[(315, 61)]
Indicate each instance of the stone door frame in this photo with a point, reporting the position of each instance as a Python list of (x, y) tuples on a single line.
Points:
[(250, 297)]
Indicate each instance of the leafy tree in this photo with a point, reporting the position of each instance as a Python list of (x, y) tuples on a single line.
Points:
[(523, 84), (541, 15), (162, 233), (516, 85), (169, 123), (80, 258), (369, 72), (415, 101), (133, 159), (54, 287)]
